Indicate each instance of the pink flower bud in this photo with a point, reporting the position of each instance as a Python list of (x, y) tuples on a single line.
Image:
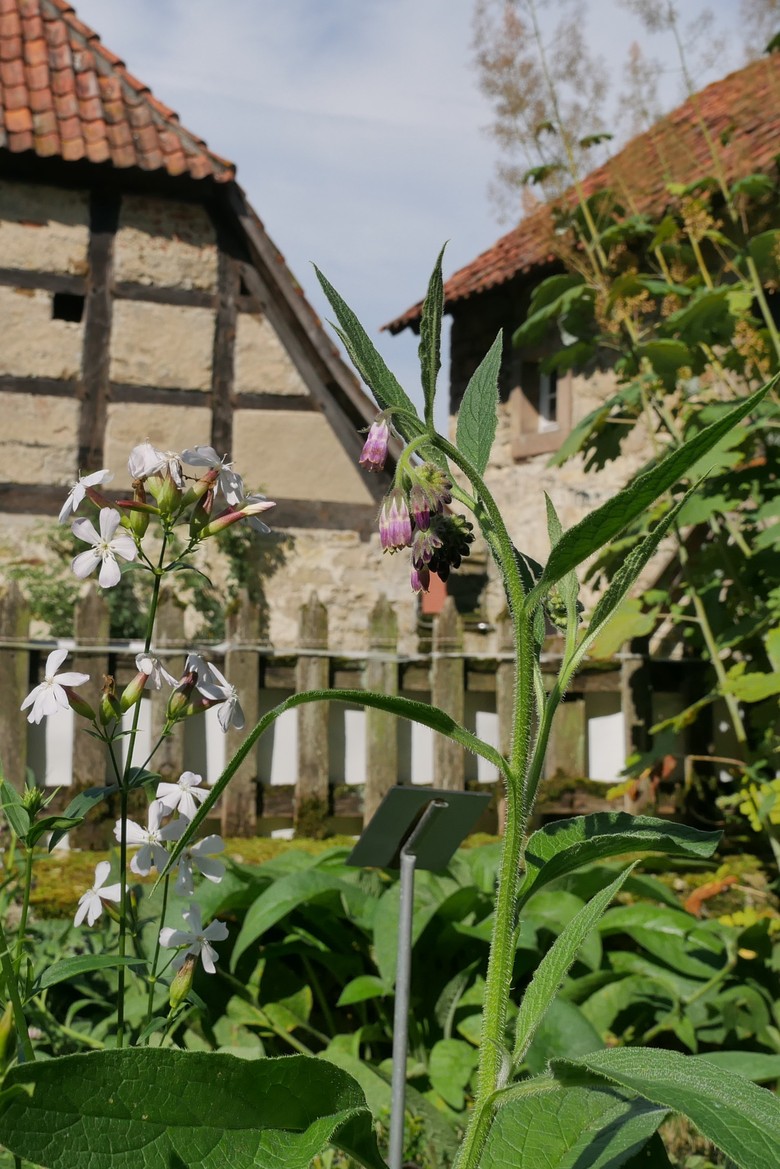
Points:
[(375, 447), (203, 486), (178, 701), (395, 525)]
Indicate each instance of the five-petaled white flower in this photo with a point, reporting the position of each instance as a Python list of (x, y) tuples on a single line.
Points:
[(79, 490), (154, 669), (201, 855), (152, 852), (229, 481), (49, 696), (213, 685), (196, 939), (91, 902), (106, 546), (183, 794), (145, 460)]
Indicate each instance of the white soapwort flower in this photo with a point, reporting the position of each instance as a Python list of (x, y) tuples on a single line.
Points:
[(250, 505), (229, 481), (200, 856), (49, 696), (183, 794), (91, 902), (196, 939), (146, 460), (155, 671), (78, 491), (106, 546), (150, 841), (230, 712)]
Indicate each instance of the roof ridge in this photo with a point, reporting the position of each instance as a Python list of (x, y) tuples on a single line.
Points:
[(721, 103)]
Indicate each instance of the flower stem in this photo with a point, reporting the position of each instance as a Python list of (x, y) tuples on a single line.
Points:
[(123, 795), (28, 867), (156, 958), (12, 987)]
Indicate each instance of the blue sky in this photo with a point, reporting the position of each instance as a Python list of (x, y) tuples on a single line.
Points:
[(356, 126)]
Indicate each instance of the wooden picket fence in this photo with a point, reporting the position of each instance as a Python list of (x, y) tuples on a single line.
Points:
[(322, 763)]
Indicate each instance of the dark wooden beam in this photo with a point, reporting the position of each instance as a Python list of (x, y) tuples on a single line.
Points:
[(222, 365), (253, 401), (48, 281), (197, 297), (41, 386), (47, 499), (96, 353), (157, 395)]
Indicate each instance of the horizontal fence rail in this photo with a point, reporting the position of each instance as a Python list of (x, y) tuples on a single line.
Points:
[(323, 763)]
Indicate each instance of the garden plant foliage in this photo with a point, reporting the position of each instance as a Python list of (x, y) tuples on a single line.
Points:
[(136, 1099)]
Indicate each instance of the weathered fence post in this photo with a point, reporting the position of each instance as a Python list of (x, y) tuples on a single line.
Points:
[(239, 802), (310, 809), (448, 685), (14, 683), (636, 704), (168, 634), (91, 628), (381, 727), (505, 701)]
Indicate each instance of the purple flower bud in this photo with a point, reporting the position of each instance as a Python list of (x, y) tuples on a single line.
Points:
[(375, 447), (420, 506), (424, 545), (395, 524), (420, 580)]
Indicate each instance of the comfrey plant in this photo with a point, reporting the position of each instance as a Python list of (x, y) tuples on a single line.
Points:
[(192, 1108)]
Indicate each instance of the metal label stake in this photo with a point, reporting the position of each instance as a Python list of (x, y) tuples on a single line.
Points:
[(411, 829)]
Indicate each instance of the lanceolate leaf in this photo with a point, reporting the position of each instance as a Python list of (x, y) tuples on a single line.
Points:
[(421, 712), (371, 365), (430, 337), (478, 413), (74, 967), (570, 1128), (148, 1108), (13, 809), (603, 524), (626, 575), (566, 845), (740, 1118), (555, 965)]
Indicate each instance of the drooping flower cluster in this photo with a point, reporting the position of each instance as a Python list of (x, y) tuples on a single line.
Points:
[(413, 516)]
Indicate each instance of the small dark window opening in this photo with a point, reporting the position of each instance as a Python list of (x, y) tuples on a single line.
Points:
[(67, 306), (244, 290)]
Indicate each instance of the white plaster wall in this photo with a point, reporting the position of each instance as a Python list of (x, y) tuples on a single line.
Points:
[(34, 345), (262, 364), (43, 229), (295, 455), (162, 345), (38, 438), (165, 243)]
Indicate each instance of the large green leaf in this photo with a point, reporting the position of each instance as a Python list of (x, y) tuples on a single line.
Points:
[(758, 1066), (430, 337), (478, 412), (555, 965), (15, 812), (692, 947), (740, 1118), (568, 1128), (603, 524), (371, 365), (85, 964), (148, 1108), (431, 892), (564, 1031), (450, 1066), (420, 712), (565, 845), (281, 898)]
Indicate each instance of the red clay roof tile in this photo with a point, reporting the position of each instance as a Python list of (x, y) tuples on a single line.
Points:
[(116, 118), (741, 112)]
